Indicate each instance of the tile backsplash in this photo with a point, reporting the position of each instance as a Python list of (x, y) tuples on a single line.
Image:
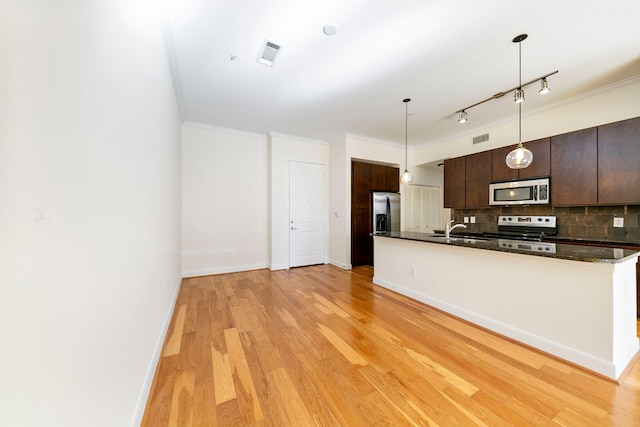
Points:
[(587, 222)]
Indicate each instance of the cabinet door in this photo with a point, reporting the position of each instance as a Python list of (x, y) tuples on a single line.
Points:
[(393, 178), (541, 165), (619, 163), (574, 166), (541, 150), (500, 170), (360, 185), (361, 240), (477, 178), (454, 183)]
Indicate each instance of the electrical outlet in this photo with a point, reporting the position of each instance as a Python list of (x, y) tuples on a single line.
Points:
[(466, 220), (473, 220), (413, 272), (618, 222)]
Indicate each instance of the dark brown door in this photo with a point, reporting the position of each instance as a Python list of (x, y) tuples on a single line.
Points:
[(365, 178), (477, 178), (541, 165), (500, 170), (619, 163), (541, 150), (454, 183), (574, 166)]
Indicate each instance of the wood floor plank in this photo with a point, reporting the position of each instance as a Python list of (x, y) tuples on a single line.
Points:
[(245, 389), (321, 346), (172, 346)]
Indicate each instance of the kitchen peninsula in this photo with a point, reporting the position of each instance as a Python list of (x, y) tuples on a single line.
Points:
[(577, 303)]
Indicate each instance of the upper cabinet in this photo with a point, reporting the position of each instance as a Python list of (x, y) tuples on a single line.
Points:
[(502, 172), (541, 165), (540, 148), (589, 167), (477, 179), (574, 165), (619, 163), (454, 183)]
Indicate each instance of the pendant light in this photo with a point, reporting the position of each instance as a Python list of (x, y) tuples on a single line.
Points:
[(521, 157), (406, 177)]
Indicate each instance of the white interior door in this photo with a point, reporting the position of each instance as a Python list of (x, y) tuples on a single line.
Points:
[(307, 214)]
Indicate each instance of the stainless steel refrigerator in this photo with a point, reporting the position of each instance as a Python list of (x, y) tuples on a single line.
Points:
[(386, 212)]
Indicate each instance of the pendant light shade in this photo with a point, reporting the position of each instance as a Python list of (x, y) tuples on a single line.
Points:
[(406, 177), (521, 157)]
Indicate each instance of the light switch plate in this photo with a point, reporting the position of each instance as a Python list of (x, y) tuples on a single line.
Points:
[(618, 222)]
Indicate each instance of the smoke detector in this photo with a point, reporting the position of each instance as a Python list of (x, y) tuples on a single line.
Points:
[(268, 53)]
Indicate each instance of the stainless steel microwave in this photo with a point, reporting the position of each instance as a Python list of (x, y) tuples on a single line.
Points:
[(520, 192)]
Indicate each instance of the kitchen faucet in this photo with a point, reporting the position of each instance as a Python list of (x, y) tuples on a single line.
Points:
[(448, 228)]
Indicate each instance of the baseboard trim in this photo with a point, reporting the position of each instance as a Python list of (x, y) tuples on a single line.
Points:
[(153, 364), (340, 264), (571, 355), (222, 270)]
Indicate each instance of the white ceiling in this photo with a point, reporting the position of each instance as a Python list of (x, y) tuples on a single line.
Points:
[(444, 55)]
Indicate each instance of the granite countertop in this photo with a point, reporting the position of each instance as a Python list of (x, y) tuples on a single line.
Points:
[(573, 251)]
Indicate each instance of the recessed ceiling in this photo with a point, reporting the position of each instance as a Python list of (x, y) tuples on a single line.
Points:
[(444, 55)]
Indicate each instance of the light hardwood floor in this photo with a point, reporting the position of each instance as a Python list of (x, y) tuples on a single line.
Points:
[(319, 346)]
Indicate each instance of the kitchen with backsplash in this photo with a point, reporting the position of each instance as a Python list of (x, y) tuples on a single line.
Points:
[(558, 239)]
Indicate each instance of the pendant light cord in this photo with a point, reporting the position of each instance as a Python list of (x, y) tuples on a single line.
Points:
[(406, 131), (520, 89)]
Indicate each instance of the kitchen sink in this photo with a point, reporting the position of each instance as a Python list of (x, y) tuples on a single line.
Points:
[(465, 239)]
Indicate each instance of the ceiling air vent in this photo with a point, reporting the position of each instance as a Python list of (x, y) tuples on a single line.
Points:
[(269, 53), (480, 138)]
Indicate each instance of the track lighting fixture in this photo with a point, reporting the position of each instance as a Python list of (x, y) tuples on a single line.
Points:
[(518, 96), (544, 86), (518, 91)]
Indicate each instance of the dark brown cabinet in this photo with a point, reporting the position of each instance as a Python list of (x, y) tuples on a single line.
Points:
[(477, 178), (500, 170), (619, 163), (541, 150), (541, 165), (454, 183), (574, 165), (365, 178)]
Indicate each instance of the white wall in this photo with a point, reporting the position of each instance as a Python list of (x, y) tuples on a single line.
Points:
[(284, 149), (90, 210), (607, 105), (225, 217), (354, 147), (339, 213)]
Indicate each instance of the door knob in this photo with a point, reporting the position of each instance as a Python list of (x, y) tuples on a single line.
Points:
[(293, 228)]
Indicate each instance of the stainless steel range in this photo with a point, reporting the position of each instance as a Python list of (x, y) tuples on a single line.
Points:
[(532, 228), (525, 232)]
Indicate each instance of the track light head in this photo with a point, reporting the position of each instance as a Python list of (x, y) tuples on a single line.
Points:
[(518, 96), (462, 117), (544, 86)]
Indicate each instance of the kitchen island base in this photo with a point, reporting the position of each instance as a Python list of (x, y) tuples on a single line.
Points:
[(582, 312)]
